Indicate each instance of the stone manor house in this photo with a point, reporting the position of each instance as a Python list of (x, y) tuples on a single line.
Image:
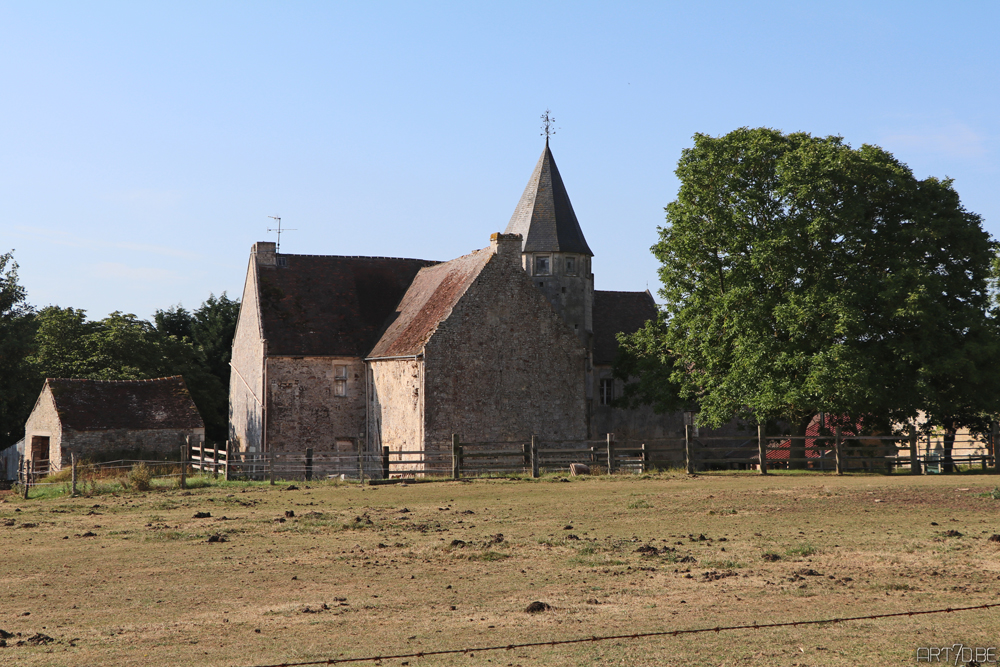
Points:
[(339, 353)]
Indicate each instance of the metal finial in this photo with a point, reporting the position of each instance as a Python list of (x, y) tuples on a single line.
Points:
[(548, 125)]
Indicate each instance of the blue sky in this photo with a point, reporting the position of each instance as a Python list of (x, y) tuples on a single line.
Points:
[(143, 145)]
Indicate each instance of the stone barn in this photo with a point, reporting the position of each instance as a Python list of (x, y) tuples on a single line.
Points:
[(98, 419)]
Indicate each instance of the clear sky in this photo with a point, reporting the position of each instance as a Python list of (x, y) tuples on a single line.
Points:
[(143, 145)]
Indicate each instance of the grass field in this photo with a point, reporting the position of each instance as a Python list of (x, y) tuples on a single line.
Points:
[(132, 578)]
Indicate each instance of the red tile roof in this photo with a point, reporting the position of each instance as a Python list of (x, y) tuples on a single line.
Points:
[(94, 405), (814, 447), (316, 305), (427, 303)]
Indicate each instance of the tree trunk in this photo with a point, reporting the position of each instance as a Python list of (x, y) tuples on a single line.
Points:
[(948, 465), (797, 447)]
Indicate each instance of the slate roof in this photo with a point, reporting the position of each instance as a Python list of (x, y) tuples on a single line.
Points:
[(544, 217), (94, 405), (321, 305), (618, 312), (428, 302)]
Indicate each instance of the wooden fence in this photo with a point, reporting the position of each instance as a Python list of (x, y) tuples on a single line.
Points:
[(835, 453)]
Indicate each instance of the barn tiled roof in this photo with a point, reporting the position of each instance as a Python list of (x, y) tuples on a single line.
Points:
[(544, 217), (618, 312), (319, 305), (427, 303), (94, 405)]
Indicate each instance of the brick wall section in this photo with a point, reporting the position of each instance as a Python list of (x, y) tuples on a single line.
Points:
[(397, 406), (303, 408), (503, 365), (246, 383)]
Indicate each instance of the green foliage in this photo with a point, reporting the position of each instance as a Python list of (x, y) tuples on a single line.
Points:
[(17, 385), (140, 477), (124, 347), (801, 275)]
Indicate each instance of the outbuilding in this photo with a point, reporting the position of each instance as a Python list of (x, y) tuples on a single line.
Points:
[(102, 419)]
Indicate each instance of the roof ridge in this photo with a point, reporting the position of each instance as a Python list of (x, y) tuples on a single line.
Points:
[(409, 259), (159, 379)]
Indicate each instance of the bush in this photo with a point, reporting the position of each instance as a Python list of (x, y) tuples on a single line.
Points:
[(139, 478)]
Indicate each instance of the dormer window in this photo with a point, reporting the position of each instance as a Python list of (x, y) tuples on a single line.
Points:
[(542, 265), (282, 261), (571, 266)]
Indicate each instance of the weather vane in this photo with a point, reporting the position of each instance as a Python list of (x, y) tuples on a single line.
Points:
[(548, 122), (277, 246)]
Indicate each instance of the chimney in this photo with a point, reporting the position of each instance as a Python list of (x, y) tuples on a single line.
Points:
[(264, 252), (506, 245)]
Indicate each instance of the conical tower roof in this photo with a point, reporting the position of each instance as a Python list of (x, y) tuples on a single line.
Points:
[(544, 217)]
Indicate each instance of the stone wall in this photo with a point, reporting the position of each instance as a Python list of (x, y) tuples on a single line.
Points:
[(156, 444), (397, 406), (304, 410), (246, 383), (503, 365), (44, 422)]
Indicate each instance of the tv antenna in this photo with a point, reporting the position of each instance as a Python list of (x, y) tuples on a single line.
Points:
[(278, 229)]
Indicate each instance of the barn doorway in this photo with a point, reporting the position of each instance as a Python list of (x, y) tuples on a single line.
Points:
[(40, 454)]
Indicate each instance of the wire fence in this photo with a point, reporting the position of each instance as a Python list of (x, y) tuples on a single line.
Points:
[(631, 635)]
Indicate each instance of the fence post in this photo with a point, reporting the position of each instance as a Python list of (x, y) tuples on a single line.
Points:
[(761, 449), (994, 436), (184, 460), (644, 466), (456, 456), (27, 477), (309, 464), (687, 449), (611, 453), (270, 465), (225, 470), (215, 460), (72, 463), (385, 462), (836, 452), (534, 456), (914, 458)]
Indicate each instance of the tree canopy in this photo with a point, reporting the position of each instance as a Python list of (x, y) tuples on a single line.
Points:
[(801, 275), (16, 342), (124, 347)]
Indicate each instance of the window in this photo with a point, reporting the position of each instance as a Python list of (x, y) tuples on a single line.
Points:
[(571, 266), (607, 391), (340, 380), (282, 261), (542, 267)]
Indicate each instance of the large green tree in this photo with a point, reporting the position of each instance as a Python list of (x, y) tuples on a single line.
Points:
[(801, 275), (124, 347), (16, 342)]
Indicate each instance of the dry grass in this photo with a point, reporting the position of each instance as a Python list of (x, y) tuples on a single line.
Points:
[(423, 566)]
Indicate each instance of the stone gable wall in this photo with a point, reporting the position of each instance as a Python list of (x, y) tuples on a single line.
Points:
[(503, 366), (44, 421), (246, 383), (303, 408)]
